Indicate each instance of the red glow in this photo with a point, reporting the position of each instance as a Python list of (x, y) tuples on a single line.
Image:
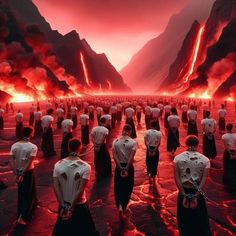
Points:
[(109, 84), (195, 55), (85, 70), (38, 79), (229, 99), (200, 94), (16, 95), (218, 33), (103, 27), (20, 97), (220, 71), (100, 88), (231, 221), (183, 82)]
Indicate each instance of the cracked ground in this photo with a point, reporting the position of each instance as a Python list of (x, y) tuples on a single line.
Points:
[(152, 209)]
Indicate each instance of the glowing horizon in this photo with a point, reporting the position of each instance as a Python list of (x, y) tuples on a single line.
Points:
[(195, 53)]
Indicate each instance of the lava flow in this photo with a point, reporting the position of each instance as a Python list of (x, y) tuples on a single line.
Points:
[(192, 64), (85, 70), (195, 55), (109, 85)]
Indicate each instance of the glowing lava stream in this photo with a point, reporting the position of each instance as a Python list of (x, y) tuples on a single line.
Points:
[(85, 69), (17, 96), (195, 55), (109, 84)]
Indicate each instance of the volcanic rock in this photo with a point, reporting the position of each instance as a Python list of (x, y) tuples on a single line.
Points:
[(217, 40), (226, 87), (225, 45), (182, 63), (150, 66), (217, 46), (68, 47), (4, 97)]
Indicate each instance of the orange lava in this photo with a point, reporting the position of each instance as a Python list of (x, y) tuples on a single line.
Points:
[(183, 84), (109, 84), (231, 221), (20, 97), (229, 99), (100, 88), (85, 70), (199, 94), (195, 55)]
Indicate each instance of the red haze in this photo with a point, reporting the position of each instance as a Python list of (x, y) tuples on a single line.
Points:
[(118, 28)]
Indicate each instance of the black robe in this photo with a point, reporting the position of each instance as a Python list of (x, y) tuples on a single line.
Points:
[(19, 129), (47, 143), (123, 187), (64, 144), (102, 161), (229, 174), (192, 222), (222, 124), (85, 134), (81, 223), (192, 128), (152, 162), (1, 123), (27, 200), (172, 139), (130, 122), (209, 146), (38, 130)]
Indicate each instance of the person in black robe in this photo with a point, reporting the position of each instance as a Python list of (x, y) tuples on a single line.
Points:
[(23, 168), (47, 145), (124, 150), (192, 122), (67, 125), (102, 159), (229, 159), (184, 116), (173, 131), (192, 213), (60, 116), (74, 217), (74, 117), (222, 113), (130, 121), (209, 144), (19, 125), (152, 139), (84, 122), (31, 115), (38, 130), (1, 119)]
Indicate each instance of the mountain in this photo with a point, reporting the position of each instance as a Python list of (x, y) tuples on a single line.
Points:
[(179, 68), (228, 87), (206, 63), (149, 67), (218, 45), (64, 64), (25, 74), (4, 97)]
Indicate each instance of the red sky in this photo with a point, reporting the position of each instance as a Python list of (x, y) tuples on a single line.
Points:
[(118, 28)]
